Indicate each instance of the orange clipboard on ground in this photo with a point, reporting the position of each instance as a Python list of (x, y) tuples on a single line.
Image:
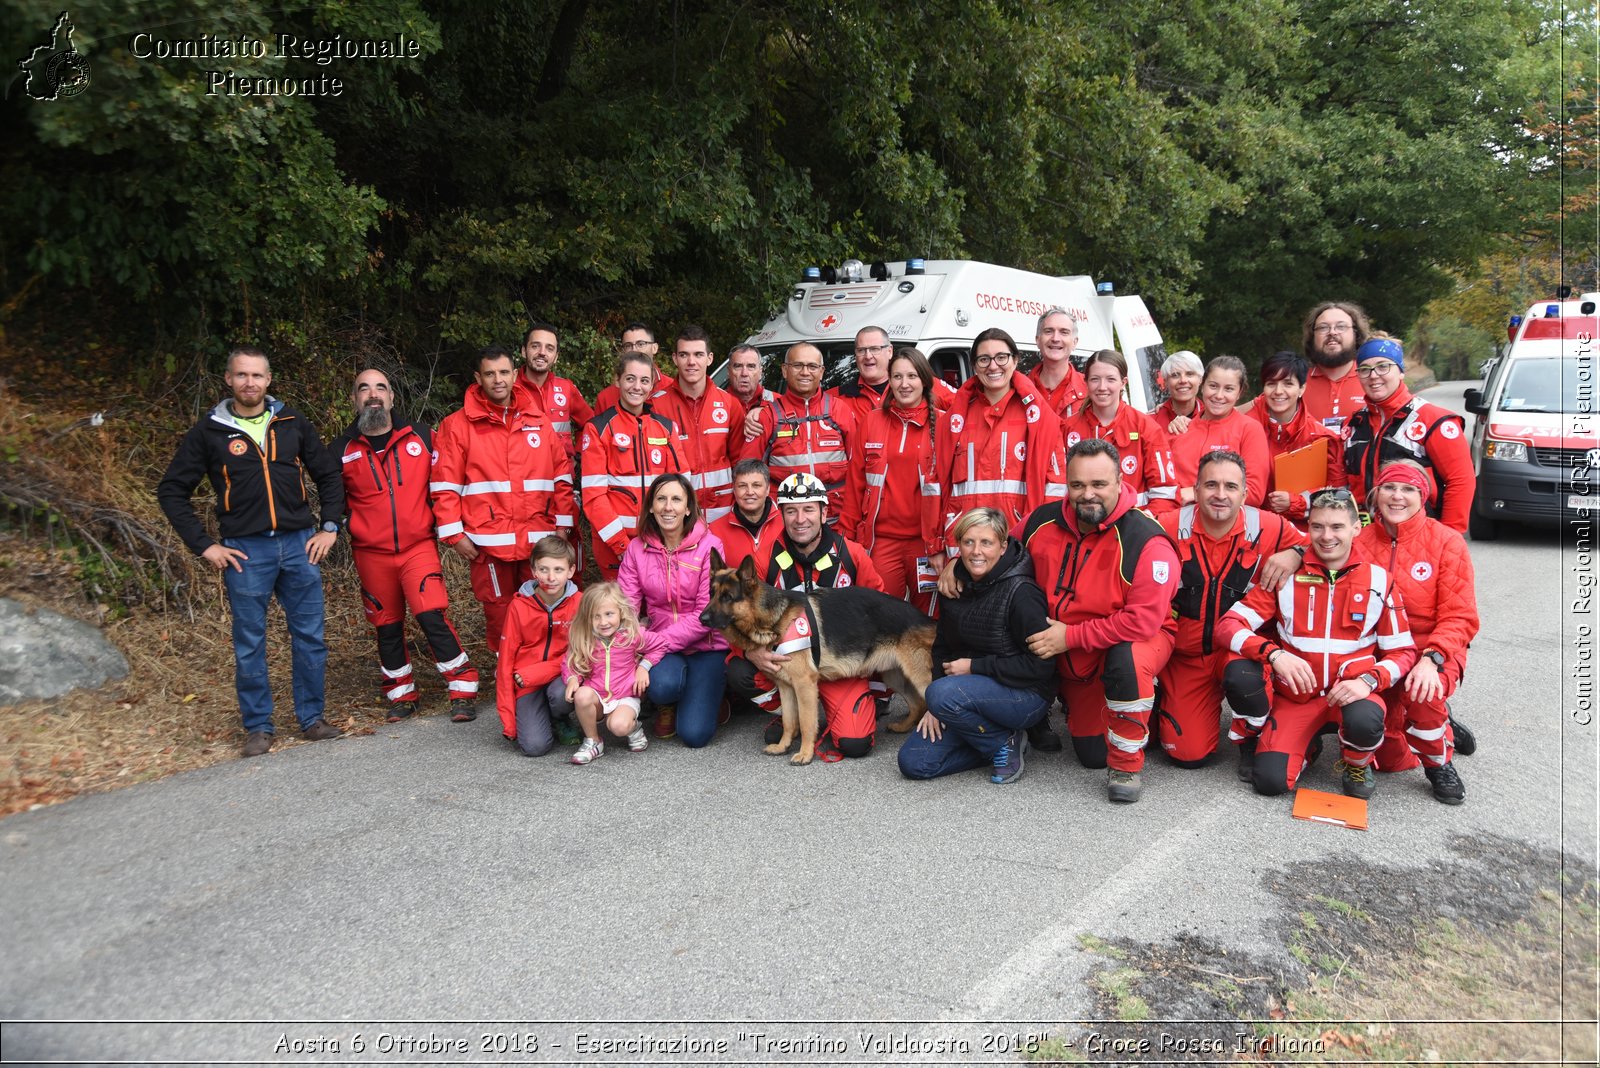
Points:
[(1337, 809), (1302, 470)]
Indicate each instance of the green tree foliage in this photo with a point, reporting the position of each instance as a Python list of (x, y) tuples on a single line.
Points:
[(593, 162)]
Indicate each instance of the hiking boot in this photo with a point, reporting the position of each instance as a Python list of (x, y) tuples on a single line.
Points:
[(567, 732), (591, 749), (1359, 780), (1466, 741), (464, 712), (1448, 789), (1008, 761), (774, 732), (1247, 760), (637, 742), (400, 710), (666, 721), (1123, 785), (1313, 749), (322, 730), (1043, 738), (257, 743)]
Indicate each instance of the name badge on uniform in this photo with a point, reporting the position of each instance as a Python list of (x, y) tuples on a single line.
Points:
[(927, 575)]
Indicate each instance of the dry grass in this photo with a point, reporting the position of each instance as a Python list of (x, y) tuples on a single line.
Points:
[(80, 533), (1525, 994)]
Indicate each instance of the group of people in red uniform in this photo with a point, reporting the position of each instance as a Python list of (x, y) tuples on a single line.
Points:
[(1175, 573)]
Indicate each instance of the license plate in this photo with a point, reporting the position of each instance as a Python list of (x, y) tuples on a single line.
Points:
[(1583, 501)]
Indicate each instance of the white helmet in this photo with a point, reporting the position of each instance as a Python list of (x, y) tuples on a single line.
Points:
[(802, 488)]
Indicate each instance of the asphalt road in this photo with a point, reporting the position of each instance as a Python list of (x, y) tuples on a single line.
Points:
[(428, 874)]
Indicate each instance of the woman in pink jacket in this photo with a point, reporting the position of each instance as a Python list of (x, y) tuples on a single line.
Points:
[(666, 574)]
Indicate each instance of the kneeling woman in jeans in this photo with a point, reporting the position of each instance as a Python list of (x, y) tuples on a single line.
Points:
[(987, 687)]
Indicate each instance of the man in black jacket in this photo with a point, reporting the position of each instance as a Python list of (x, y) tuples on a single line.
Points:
[(253, 448)]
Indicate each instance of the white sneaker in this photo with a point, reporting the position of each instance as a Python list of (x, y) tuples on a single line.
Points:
[(591, 749), (637, 742)]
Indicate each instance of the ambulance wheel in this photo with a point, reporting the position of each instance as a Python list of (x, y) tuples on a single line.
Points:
[(1481, 527)]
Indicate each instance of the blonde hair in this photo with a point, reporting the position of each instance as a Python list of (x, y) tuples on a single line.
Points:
[(580, 647), (987, 517)]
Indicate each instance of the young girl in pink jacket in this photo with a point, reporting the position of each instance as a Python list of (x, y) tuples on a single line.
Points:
[(607, 669)]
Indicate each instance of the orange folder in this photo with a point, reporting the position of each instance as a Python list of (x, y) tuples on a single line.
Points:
[(1303, 469), (1337, 809)]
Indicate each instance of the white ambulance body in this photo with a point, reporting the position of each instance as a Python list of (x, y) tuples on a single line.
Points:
[(940, 306)]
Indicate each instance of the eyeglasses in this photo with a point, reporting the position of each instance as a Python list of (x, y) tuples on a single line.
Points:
[(1379, 368), (872, 350), (1334, 497), (804, 368), (634, 346), (993, 361), (1334, 328)]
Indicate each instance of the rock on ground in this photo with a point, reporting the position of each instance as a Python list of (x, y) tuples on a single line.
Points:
[(46, 654)]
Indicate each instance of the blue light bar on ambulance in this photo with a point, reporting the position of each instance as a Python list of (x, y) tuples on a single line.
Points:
[(1552, 311), (1516, 321), (1105, 289), (811, 274), (915, 265)]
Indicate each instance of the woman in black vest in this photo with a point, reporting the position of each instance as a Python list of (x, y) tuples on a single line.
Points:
[(987, 687)]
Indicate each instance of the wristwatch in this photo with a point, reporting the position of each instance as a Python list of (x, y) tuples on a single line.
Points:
[(1437, 657), (1370, 679), (330, 527)]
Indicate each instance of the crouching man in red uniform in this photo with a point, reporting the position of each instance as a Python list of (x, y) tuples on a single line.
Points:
[(811, 556), (1341, 635), (386, 470), (1226, 548), (1109, 573)]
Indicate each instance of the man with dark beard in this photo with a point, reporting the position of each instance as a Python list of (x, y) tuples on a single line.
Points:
[(1109, 573), (386, 467), (1334, 330)]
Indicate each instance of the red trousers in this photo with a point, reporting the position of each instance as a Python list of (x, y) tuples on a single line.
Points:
[(1190, 707), (1108, 694), (896, 561), (393, 582), (494, 584), (1294, 721), (1413, 729), (848, 704)]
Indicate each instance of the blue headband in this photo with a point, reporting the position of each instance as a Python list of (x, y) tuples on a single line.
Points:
[(1382, 348)]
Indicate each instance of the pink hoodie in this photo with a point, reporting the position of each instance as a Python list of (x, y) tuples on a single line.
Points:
[(671, 587), (611, 674)]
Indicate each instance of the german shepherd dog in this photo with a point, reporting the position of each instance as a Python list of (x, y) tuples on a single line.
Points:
[(856, 633)]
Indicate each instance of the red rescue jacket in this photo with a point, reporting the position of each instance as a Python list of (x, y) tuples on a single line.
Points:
[(1343, 623), (1070, 394), (1235, 431), (501, 476), (1297, 433), (1431, 568), (622, 454), (1114, 584), (1216, 572), (563, 403), (386, 493), (533, 642), (1331, 402), (710, 428), (739, 539), (834, 563), (1405, 427), (810, 435), (1145, 449), (1006, 456), (893, 488)]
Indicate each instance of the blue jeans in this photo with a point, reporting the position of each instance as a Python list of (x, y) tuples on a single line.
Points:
[(276, 564), (693, 682), (978, 715)]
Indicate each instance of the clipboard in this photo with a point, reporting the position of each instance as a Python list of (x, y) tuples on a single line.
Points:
[(1302, 470), (1318, 806)]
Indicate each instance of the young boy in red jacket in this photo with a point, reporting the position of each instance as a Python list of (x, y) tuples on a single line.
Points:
[(529, 692)]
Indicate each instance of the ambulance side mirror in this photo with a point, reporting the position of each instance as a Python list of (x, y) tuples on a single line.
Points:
[(1474, 402)]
